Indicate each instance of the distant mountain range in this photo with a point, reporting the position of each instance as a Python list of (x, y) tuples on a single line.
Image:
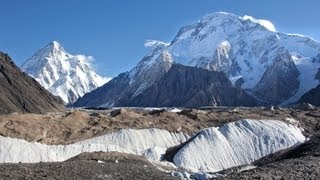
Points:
[(181, 86), (65, 75), (272, 67)]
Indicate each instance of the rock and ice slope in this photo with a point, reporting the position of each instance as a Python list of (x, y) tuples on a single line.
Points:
[(312, 96), (242, 47), (65, 75), (235, 144), (149, 142), (308, 79)]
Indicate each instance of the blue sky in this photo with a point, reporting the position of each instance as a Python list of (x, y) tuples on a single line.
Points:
[(114, 31)]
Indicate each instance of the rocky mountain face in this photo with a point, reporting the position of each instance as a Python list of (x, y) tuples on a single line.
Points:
[(250, 51), (180, 86), (280, 80), (186, 86), (62, 74), (312, 96), (126, 86), (108, 93), (20, 93)]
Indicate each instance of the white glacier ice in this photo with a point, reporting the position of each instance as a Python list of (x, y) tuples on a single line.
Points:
[(149, 142), (236, 143)]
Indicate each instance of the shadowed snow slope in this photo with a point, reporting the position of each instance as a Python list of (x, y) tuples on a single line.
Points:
[(149, 142), (235, 144)]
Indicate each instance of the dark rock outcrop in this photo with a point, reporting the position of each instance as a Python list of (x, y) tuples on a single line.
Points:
[(312, 97), (280, 81), (239, 82), (186, 86), (115, 112), (316, 59), (318, 75), (21, 93)]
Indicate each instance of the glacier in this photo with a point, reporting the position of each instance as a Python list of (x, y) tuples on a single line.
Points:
[(212, 149), (237, 143), (149, 142)]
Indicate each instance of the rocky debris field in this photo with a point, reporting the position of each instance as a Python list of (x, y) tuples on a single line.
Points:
[(79, 124), (87, 166)]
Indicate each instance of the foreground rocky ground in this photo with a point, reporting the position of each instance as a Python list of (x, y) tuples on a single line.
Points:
[(75, 125), (87, 166)]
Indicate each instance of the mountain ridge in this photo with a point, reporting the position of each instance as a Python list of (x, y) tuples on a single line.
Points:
[(184, 86)]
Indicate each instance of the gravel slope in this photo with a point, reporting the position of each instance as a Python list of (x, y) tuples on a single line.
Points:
[(87, 166)]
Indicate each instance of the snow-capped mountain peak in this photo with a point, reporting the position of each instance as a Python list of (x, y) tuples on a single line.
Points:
[(65, 75), (54, 45), (249, 50), (241, 46), (53, 49)]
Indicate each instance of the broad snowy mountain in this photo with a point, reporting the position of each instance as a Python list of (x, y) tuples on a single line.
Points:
[(65, 75), (274, 67)]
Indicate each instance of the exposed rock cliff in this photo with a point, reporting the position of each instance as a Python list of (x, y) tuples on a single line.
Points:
[(21, 93)]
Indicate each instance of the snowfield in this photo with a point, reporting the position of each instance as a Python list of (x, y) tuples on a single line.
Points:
[(212, 150)]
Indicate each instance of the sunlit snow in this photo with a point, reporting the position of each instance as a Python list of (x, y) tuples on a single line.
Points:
[(65, 75), (265, 23)]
